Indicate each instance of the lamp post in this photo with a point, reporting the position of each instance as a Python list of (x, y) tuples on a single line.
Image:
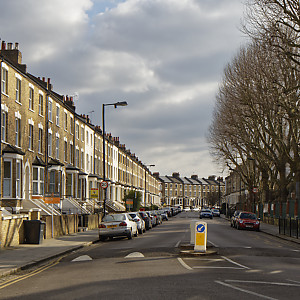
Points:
[(116, 104), (146, 183)]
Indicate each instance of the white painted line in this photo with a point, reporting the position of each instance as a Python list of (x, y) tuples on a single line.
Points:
[(184, 264), (296, 250), (135, 255), (82, 258), (197, 267), (264, 282), (245, 291), (276, 272), (212, 243), (293, 281), (177, 244), (235, 263), (207, 259)]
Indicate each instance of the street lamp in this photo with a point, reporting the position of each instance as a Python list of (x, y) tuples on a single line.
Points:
[(146, 183), (116, 104)]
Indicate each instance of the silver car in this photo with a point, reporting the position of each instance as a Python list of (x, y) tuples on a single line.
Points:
[(114, 225), (139, 221)]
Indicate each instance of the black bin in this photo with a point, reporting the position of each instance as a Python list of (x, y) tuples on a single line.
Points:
[(34, 231)]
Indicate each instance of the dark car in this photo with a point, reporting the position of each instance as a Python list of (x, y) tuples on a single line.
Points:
[(206, 213), (146, 218), (247, 220)]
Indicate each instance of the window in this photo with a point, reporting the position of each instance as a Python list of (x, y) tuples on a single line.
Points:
[(82, 160), (82, 134), (87, 162), (7, 179), (52, 182), (30, 137), (4, 126), (87, 138), (66, 121), (41, 103), (49, 144), (57, 115), (66, 151), (50, 110), (18, 132), (77, 131), (31, 98), (40, 142), (4, 79), (18, 179), (38, 181), (69, 184), (77, 158), (72, 126), (18, 90), (57, 147)]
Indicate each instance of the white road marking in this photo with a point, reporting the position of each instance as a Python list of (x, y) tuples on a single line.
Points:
[(235, 263), (245, 291), (293, 281), (197, 267), (82, 258), (264, 282), (276, 272), (212, 243), (184, 264), (135, 255), (177, 244)]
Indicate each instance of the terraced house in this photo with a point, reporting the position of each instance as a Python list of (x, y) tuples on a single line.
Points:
[(190, 192), (48, 148)]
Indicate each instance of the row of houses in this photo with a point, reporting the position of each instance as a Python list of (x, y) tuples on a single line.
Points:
[(191, 191), (49, 149)]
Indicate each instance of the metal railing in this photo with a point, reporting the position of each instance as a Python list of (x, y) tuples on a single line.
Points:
[(289, 227)]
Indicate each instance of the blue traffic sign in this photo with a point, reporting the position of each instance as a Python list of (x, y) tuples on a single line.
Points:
[(200, 228)]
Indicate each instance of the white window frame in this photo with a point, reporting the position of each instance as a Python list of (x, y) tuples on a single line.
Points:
[(38, 183), (4, 126), (18, 88), (41, 104), (18, 178), (57, 115), (50, 103), (7, 181), (31, 98), (17, 132), (30, 137), (40, 141), (4, 79)]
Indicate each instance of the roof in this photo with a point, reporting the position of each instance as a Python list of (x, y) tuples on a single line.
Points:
[(12, 149)]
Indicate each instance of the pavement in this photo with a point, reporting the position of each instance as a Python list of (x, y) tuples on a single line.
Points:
[(24, 256)]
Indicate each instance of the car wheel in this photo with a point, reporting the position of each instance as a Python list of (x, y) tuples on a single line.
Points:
[(136, 233), (230, 224), (238, 227), (211, 217), (102, 238), (129, 235), (258, 229), (141, 231)]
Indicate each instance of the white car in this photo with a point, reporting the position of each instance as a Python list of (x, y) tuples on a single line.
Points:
[(139, 221), (186, 209), (114, 225)]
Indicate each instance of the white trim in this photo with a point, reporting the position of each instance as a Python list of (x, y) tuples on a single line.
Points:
[(57, 105), (40, 125), (18, 115), (18, 76), (57, 135), (76, 147), (5, 66), (41, 92), (31, 122), (65, 139), (50, 99), (50, 130), (31, 85), (4, 107)]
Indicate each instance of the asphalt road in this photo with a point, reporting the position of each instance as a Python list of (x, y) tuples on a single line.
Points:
[(248, 265)]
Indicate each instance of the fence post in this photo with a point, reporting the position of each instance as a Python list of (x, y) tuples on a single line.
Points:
[(290, 226)]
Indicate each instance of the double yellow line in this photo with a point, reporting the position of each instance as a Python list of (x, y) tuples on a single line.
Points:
[(35, 272)]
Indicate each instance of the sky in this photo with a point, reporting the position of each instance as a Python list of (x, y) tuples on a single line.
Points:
[(164, 57)]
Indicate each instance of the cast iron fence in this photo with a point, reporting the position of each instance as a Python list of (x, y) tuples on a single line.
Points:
[(290, 227)]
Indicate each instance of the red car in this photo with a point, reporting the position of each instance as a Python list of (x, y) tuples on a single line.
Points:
[(247, 220)]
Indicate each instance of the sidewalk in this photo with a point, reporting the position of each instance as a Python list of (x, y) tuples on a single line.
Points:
[(17, 258), (25, 255)]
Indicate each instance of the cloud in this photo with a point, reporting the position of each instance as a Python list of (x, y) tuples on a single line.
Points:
[(165, 58)]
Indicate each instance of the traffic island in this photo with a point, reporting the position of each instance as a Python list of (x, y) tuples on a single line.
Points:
[(187, 250)]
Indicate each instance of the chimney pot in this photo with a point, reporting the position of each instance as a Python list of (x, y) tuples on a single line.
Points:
[(17, 46), (9, 46), (3, 46)]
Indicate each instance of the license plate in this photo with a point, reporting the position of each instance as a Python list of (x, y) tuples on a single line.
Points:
[(249, 225), (111, 226)]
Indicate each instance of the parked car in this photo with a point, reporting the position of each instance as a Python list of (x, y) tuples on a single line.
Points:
[(215, 212), (147, 219), (247, 220), (139, 221), (153, 218), (164, 214), (196, 209), (114, 225), (233, 218), (157, 216), (187, 209), (206, 213)]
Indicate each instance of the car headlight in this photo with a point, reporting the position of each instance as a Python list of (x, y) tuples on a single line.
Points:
[(241, 221), (257, 222)]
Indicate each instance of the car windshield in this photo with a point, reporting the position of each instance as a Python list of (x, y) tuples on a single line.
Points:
[(215, 209), (205, 210), (112, 218), (248, 216), (133, 215)]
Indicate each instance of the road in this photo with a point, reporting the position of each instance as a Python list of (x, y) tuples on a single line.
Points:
[(248, 265)]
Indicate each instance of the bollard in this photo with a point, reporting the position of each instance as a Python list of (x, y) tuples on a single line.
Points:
[(200, 236)]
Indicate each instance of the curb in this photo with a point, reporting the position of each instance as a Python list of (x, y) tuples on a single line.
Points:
[(45, 259)]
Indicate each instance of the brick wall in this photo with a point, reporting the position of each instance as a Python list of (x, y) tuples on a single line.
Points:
[(12, 230)]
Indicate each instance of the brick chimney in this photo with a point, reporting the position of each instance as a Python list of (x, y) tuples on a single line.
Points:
[(194, 176), (13, 54), (176, 175)]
